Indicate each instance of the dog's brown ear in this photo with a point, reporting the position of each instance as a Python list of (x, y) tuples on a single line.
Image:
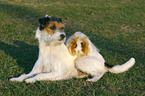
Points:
[(44, 21)]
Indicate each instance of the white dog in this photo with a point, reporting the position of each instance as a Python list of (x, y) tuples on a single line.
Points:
[(89, 59), (54, 61)]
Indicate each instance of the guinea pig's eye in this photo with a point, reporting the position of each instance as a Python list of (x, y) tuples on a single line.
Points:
[(53, 27), (82, 44), (76, 46)]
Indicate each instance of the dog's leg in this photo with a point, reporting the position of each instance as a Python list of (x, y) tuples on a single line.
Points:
[(36, 69), (96, 77), (46, 76)]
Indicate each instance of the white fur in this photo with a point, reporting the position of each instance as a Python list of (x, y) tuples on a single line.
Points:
[(54, 61), (94, 63), (123, 67)]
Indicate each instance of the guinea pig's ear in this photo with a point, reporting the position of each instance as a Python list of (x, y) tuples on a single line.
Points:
[(72, 49), (85, 46), (44, 21), (70, 46)]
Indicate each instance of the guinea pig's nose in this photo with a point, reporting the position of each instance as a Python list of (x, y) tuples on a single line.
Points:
[(62, 36)]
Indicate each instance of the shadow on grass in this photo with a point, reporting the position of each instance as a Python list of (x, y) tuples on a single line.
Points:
[(25, 14), (25, 54)]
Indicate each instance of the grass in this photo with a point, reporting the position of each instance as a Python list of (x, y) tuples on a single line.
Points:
[(117, 28)]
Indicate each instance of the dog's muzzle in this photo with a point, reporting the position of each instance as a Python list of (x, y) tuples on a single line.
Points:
[(62, 36)]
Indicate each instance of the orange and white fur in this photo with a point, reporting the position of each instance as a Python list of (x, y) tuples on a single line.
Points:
[(54, 60), (89, 60)]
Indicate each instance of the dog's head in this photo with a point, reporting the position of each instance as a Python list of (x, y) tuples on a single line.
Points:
[(78, 44), (51, 30)]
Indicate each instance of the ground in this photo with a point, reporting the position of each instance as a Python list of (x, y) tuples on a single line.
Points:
[(116, 27)]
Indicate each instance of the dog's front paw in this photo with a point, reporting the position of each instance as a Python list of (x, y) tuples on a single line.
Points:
[(31, 80), (16, 79)]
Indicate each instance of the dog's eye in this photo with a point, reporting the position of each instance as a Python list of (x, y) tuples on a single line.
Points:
[(53, 27)]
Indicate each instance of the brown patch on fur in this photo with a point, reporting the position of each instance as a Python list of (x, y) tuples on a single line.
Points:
[(56, 25), (81, 74), (85, 46), (72, 45)]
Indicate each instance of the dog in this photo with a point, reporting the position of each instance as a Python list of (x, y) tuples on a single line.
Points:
[(89, 60), (54, 60)]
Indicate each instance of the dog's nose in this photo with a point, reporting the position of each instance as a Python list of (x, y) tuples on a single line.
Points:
[(62, 36)]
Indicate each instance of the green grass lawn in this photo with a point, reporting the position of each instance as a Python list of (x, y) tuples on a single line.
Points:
[(116, 27)]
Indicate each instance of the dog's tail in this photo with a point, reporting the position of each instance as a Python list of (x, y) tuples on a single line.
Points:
[(120, 68)]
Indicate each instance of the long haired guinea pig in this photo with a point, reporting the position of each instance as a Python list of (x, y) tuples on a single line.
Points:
[(89, 60)]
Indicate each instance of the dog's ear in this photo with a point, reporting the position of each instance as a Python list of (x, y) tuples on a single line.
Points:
[(44, 21), (55, 19), (59, 19)]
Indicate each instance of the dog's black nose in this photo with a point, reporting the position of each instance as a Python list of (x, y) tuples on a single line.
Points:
[(62, 36)]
